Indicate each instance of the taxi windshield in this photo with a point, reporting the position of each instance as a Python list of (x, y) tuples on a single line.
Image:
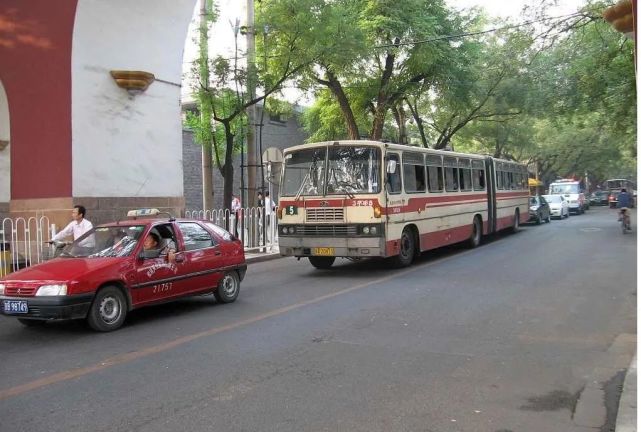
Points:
[(105, 241)]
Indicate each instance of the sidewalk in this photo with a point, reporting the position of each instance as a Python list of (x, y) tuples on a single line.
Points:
[(256, 256), (627, 415)]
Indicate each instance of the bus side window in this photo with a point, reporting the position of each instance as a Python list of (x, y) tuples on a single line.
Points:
[(413, 172), (465, 175), (478, 175), (394, 179), (451, 174), (434, 173)]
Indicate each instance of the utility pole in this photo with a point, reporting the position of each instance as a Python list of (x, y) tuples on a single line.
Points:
[(251, 111), (205, 107)]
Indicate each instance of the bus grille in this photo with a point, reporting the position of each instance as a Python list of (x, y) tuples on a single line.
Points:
[(327, 230), (325, 214)]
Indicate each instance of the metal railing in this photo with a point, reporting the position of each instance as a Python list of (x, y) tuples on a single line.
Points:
[(23, 240), (256, 229)]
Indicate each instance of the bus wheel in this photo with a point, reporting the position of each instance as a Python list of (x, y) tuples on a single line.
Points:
[(321, 262), (475, 237), (515, 224), (407, 250)]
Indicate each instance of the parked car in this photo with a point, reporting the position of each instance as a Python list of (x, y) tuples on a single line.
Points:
[(539, 209), (599, 198), (559, 206), (119, 268)]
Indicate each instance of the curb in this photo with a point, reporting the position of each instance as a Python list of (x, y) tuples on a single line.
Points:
[(627, 414), (264, 257)]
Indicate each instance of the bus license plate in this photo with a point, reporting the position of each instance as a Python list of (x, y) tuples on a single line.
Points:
[(324, 251), (15, 307)]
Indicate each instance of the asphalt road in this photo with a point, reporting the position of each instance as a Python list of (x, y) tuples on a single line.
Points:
[(529, 332)]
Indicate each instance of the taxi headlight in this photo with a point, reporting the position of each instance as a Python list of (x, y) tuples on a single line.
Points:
[(365, 230), (1, 289), (52, 290)]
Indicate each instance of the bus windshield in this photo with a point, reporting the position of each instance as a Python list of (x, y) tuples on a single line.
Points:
[(352, 170), (570, 188)]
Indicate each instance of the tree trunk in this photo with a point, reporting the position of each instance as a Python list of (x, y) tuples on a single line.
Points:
[(338, 92)]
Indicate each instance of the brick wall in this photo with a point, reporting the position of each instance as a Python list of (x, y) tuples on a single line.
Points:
[(275, 134)]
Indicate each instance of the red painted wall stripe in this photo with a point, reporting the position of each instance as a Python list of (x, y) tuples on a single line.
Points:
[(35, 69)]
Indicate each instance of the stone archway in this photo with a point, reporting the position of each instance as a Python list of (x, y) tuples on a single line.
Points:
[(76, 137), (5, 159)]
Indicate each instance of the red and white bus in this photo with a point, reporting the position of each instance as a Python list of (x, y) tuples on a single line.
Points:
[(361, 199)]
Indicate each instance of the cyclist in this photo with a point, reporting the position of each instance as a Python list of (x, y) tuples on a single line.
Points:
[(625, 200)]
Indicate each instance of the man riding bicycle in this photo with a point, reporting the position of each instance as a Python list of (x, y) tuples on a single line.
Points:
[(625, 201)]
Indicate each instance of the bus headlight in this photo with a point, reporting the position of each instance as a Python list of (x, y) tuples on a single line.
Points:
[(284, 230), (373, 230), (292, 230), (365, 230)]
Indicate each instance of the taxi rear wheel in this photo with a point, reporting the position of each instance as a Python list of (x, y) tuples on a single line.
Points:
[(108, 310), (228, 288)]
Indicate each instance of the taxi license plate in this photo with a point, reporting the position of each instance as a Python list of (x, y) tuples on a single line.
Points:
[(15, 307), (323, 251)]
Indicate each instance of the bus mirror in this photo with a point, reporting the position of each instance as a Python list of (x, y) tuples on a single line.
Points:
[(391, 166)]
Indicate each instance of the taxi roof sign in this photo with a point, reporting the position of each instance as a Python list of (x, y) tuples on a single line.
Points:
[(143, 212)]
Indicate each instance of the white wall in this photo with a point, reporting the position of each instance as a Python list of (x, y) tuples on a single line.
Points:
[(5, 160), (128, 145)]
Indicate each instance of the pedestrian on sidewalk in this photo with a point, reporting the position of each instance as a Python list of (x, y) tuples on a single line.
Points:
[(77, 228)]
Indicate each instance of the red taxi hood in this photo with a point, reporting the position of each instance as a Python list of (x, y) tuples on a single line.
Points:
[(62, 269)]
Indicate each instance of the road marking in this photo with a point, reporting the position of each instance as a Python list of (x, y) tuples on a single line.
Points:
[(590, 229), (135, 355)]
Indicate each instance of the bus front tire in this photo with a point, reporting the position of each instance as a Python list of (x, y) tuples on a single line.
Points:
[(407, 250), (322, 262)]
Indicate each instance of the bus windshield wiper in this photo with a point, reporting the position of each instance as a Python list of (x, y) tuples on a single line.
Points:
[(302, 186), (344, 185)]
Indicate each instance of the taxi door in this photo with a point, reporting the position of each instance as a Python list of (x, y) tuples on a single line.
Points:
[(202, 256), (157, 279)]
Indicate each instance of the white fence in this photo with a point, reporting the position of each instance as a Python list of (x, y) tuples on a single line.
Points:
[(257, 230), (23, 240)]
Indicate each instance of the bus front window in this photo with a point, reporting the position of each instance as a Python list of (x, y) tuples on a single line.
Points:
[(304, 172), (353, 170)]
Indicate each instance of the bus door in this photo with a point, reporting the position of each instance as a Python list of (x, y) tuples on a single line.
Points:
[(393, 190), (491, 194)]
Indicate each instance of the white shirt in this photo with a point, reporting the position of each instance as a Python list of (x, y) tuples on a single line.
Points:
[(235, 204), (77, 229), (269, 206)]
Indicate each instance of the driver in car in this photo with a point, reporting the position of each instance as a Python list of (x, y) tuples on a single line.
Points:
[(152, 242)]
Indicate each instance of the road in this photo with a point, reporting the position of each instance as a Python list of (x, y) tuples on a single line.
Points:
[(528, 332)]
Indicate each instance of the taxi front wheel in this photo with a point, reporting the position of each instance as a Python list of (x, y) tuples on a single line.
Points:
[(108, 310), (228, 288)]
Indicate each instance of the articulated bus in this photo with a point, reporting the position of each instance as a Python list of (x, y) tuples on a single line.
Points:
[(360, 199)]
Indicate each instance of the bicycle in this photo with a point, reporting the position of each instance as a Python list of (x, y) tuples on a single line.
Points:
[(625, 221)]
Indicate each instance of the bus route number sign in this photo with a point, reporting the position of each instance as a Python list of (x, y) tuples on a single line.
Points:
[(291, 210)]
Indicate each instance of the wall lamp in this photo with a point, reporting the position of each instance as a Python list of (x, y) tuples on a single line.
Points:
[(135, 82)]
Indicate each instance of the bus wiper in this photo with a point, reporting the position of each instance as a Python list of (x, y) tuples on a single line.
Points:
[(346, 185), (302, 186)]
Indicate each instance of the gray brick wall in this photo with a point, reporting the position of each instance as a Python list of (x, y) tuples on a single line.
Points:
[(275, 134)]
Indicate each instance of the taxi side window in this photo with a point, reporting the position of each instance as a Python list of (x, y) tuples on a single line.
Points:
[(195, 236)]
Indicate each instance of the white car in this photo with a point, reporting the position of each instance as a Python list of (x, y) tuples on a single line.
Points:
[(559, 206)]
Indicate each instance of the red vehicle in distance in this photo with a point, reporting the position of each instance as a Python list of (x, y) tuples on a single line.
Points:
[(113, 272)]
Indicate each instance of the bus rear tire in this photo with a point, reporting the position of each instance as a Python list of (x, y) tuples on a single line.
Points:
[(475, 237), (516, 222), (322, 262), (407, 250)]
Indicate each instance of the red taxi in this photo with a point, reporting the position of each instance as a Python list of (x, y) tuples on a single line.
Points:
[(109, 271)]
